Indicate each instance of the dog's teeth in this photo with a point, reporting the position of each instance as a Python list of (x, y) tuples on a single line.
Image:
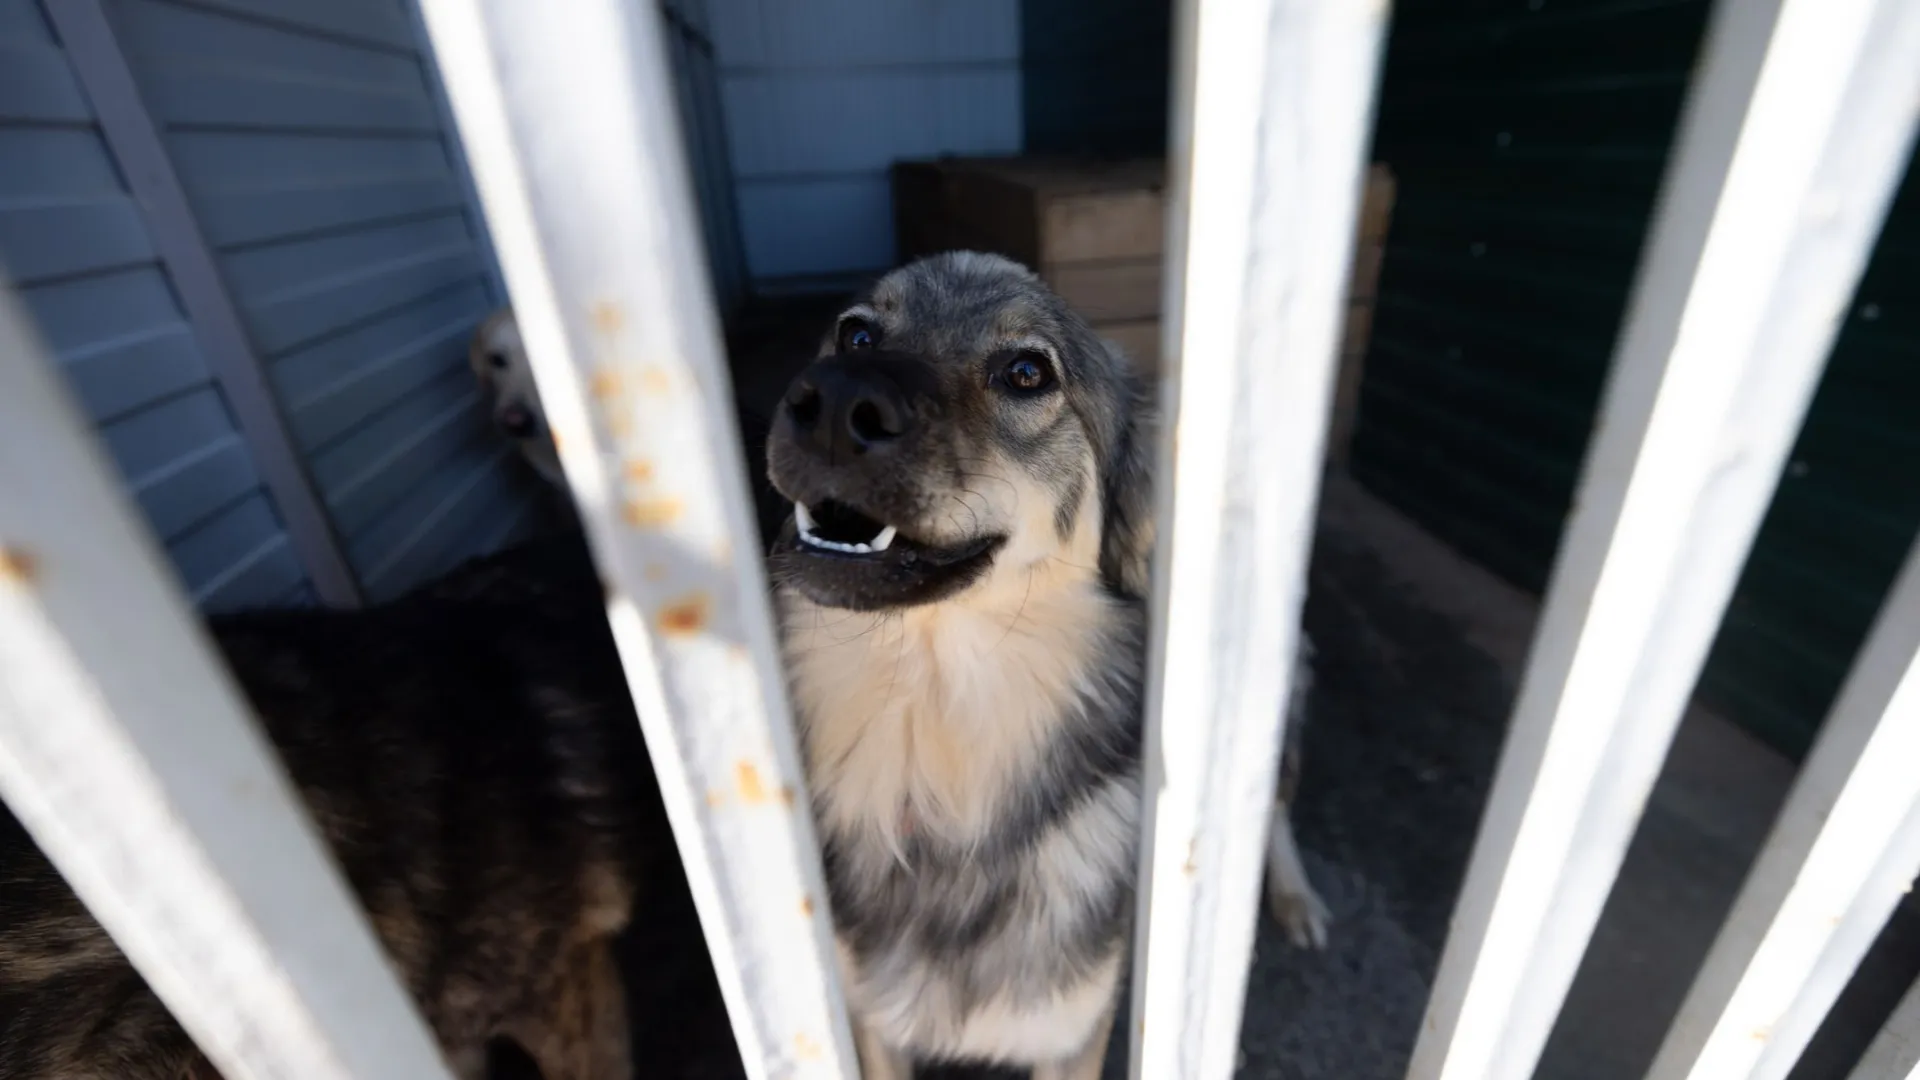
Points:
[(885, 539), (802, 519)]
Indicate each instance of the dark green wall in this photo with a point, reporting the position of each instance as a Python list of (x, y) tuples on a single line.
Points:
[(1529, 138), (1095, 75), (1529, 143)]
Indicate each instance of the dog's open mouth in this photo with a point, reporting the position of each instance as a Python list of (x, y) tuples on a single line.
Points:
[(835, 526), (841, 556)]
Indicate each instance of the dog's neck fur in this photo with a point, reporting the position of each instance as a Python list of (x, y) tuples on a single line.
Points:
[(918, 723)]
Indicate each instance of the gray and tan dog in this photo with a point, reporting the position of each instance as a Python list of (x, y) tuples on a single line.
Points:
[(961, 589)]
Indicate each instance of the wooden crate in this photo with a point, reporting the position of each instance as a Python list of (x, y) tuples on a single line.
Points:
[(1095, 232)]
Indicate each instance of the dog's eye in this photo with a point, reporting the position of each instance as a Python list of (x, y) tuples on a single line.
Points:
[(1030, 371), (857, 334), (498, 360)]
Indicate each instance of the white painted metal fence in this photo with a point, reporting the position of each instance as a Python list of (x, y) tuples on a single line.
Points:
[(127, 752)]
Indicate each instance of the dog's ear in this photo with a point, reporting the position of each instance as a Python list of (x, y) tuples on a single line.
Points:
[(1127, 534)]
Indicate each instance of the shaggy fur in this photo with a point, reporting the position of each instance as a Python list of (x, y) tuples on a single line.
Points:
[(962, 609), (472, 757)]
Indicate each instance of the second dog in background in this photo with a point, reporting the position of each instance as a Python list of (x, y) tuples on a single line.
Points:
[(499, 362)]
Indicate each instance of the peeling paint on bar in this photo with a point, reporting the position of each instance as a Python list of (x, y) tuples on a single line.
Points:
[(1271, 128), (567, 115)]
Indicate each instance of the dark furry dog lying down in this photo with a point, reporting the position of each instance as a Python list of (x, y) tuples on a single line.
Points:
[(472, 756)]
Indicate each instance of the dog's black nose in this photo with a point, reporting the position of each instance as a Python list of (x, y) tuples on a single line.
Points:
[(853, 405), (517, 421)]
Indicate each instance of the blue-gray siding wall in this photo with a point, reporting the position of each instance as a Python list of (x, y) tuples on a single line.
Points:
[(820, 96), (689, 34), (77, 248), (312, 148)]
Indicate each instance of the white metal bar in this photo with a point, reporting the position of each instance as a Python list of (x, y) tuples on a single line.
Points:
[(1845, 849), (1895, 1052), (134, 141), (1786, 156), (568, 117), (130, 756), (1271, 124)]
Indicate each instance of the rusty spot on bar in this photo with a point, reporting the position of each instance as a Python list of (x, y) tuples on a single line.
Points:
[(639, 470), (686, 615), (806, 1048), (806, 906), (747, 778), (786, 797), (716, 798), (604, 384), (607, 317), (555, 436), (17, 567), (655, 380), (651, 513), (619, 423)]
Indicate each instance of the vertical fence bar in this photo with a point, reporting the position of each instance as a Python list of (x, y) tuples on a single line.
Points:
[(128, 753), (1787, 154), (567, 113), (1845, 849), (1895, 1052), (1272, 117)]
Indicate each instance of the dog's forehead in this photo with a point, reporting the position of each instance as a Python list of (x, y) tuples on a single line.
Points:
[(962, 305)]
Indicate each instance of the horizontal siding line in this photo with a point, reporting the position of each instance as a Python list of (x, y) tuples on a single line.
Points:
[(1554, 474), (1895, 525), (289, 26), (388, 312), (452, 207), (1420, 93), (212, 515), (824, 176), (1467, 478), (317, 135), (461, 328), (376, 576), (68, 277), (240, 566), (1564, 348), (341, 182), (1419, 206), (1523, 153), (1766, 624), (36, 123), (460, 409), (99, 347), (1493, 32), (172, 467), (827, 70), (1515, 394), (315, 286), (202, 67), (417, 134), (55, 201), (1500, 269)]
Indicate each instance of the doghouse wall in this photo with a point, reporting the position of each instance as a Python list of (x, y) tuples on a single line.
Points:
[(320, 173), (1529, 141), (821, 96)]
